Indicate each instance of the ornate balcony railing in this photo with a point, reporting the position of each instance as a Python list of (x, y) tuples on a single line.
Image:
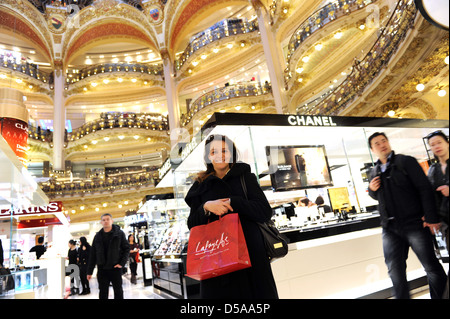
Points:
[(110, 120), (79, 75), (225, 93), (54, 188), (318, 20), (365, 71), (222, 29), (26, 68), (148, 121), (36, 133)]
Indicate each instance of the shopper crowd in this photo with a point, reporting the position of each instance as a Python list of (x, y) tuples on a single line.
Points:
[(413, 208), (110, 252)]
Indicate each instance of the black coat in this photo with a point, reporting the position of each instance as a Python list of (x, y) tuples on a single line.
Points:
[(437, 178), (254, 282), (117, 253), (405, 194)]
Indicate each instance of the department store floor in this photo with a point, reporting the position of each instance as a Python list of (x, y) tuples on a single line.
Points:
[(139, 291)]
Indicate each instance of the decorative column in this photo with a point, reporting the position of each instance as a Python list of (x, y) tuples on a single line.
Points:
[(273, 59), (59, 118), (171, 92), (14, 122)]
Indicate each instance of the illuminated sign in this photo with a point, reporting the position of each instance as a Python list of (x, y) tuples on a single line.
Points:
[(52, 207)]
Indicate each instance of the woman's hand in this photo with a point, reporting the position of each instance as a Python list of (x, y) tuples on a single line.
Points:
[(218, 207), (443, 189)]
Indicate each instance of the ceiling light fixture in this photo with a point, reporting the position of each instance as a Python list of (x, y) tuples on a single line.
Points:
[(338, 35), (442, 93), (420, 87)]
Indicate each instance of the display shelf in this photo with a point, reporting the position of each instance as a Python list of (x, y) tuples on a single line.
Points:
[(173, 241), (168, 276)]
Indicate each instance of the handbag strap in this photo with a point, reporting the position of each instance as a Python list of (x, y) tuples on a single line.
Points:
[(244, 187)]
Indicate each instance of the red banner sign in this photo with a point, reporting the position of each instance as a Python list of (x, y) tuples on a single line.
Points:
[(15, 132)]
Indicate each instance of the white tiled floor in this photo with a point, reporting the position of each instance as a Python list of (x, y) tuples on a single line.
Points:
[(130, 291)]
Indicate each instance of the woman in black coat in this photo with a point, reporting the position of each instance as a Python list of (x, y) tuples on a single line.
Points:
[(83, 261), (218, 191)]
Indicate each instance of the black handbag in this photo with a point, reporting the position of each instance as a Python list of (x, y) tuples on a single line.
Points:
[(276, 245)]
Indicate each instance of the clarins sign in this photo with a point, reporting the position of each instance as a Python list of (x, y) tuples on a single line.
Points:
[(52, 207)]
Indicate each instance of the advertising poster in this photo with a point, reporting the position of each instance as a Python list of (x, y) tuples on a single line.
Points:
[(15, 132), (298, 167)]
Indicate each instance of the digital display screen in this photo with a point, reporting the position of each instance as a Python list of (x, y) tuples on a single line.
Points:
[(298, 167)]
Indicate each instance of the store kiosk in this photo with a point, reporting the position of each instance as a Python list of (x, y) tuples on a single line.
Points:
[(337, 254), (18, 190)]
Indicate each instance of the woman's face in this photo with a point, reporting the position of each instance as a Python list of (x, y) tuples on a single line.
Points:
[(438, 146), (219, 155)]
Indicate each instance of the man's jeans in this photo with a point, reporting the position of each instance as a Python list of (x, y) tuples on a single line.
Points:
[(396, 245), (106, 276)]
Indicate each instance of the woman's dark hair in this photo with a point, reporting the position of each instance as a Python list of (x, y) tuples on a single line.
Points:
[(134, 238), (40, 240), (209, 166), (84, 242), (72, 242), (437, 133), (319, 200), (305, 201)]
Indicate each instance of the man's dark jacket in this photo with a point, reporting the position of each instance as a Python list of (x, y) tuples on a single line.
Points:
[(405, 194), (117, 253)]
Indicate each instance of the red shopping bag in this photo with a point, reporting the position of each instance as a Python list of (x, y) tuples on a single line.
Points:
[(217, 248)]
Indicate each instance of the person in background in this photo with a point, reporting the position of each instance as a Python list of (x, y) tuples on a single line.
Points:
[(438, 174), (39, 249), (72, 256), (109, 252), (218, 191), (83, 261), (405, 197), (321, 203), (134, 250), (305, 202)]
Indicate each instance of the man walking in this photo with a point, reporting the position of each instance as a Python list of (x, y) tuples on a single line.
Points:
[(406, 201), (109, 252)]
